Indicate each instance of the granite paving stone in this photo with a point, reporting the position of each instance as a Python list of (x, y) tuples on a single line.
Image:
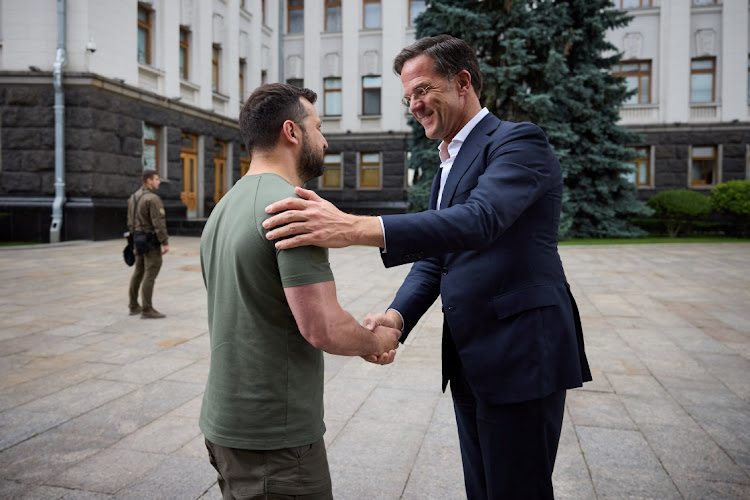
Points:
[(95, 403)]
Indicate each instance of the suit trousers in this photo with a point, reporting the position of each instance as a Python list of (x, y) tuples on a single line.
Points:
[(145, 271), (508, 451)]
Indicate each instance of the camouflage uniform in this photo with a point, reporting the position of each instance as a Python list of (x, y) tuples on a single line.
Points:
[(151, 218)]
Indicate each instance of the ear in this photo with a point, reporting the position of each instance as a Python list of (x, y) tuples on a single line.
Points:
[(290, 132), (463, 79)]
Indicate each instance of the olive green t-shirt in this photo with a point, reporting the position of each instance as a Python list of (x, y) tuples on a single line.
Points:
[(265, 381)]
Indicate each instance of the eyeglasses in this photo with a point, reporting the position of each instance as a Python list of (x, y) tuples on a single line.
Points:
[(418, 92)]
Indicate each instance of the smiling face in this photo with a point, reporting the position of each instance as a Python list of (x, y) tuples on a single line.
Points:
[(442, 110)]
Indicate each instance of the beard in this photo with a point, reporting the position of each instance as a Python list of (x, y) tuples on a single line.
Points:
[(310, 164)]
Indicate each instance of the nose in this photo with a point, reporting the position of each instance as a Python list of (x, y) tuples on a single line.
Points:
[(325, 144), (415, 103)]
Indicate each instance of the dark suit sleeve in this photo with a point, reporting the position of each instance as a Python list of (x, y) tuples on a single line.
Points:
[(520, 168), (418, 292)]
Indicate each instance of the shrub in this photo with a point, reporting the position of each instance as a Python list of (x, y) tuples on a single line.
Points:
[(732, 198), (679, 208)]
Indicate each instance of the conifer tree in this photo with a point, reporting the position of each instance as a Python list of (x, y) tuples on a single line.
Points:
[(548, 62)]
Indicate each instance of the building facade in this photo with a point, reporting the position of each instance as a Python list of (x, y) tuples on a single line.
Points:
[(159, 84), (687, 62)]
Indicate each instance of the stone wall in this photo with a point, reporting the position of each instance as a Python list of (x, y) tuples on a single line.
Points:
[(672, 152)]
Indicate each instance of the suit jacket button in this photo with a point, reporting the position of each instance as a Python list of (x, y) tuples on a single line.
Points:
[(445, 270), (451, 308)]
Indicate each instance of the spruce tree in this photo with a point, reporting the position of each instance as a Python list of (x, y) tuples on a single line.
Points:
[(548, 62)]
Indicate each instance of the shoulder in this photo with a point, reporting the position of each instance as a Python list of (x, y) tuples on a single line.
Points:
[(272, 188)]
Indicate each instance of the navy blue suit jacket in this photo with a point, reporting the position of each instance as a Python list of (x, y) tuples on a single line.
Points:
[(490, 252)]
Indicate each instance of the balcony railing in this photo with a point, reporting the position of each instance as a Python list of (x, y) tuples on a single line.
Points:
[(639, 113)]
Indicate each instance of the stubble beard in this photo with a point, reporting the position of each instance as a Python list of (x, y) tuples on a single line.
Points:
[(310, 164)]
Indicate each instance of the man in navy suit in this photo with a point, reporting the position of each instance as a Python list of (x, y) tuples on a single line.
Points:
[(512, 340)]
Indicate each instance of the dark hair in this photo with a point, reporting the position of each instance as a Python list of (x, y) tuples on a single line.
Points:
[(148, 174), (450, 54), (266, 110)]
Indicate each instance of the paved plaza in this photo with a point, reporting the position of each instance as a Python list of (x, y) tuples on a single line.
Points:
[(98, 404)]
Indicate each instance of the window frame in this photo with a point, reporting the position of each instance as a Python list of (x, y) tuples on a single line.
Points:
[(648, 3), (638, 74), (148, 26), (220, 169), (712, 72), (331, 4), (362, 165), (646, 161), (155, 143), (216, 68), (241, 76), (339, 165), (327, 91), (716, 173), (364, 15), (185, 45), (370, 89), (411, 17), (289, 9)]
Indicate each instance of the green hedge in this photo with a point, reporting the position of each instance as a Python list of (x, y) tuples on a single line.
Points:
[(732, 199), (679, 210)]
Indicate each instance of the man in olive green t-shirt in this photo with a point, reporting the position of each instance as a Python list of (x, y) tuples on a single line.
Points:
[(271, 314)]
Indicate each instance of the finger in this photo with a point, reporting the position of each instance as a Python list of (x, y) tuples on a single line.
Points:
[(286, 204), (297, 241), (284, 218), (307, 194), (290, 229)]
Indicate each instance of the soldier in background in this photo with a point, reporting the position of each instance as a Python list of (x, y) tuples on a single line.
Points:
[(147, 222)]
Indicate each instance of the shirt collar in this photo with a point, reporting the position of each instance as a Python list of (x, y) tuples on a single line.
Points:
[(462, 134)]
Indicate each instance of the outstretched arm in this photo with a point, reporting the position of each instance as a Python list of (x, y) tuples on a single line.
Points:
[(318, 222), (324, 324)]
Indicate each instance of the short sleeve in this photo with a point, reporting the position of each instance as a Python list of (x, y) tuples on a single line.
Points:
[(303, 266)]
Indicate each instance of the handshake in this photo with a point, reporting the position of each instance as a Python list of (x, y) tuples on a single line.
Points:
[(387, 328)]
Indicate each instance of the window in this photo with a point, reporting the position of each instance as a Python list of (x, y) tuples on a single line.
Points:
[(150, 147), (333, 15), (145, 23), (641, 167), (702, 79), (263, 10), (703, 166), (332, 96), (416, 7), (296, 82), (634, 4), (220, 170), (295, 11), (241, 94), (748, 77), (215, 67), (333, 173), (637, 76), (371, 95), (371, 13), (369, 170), (706, 2), (184, 53)]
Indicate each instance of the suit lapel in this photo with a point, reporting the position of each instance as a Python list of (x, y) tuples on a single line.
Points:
[(466, 156), (434, 190)]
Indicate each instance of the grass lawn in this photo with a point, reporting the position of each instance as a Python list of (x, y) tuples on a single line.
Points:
[(651, 240)]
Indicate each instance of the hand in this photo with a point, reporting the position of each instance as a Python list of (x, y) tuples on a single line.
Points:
[(384, 359), (164, 249), (311, 220), (390, 319)]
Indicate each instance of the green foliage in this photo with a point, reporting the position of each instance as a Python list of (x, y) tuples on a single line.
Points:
[(733, 199), (678, 209), (544, 61)]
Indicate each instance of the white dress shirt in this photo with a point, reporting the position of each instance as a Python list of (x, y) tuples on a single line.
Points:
[(449, 152)]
